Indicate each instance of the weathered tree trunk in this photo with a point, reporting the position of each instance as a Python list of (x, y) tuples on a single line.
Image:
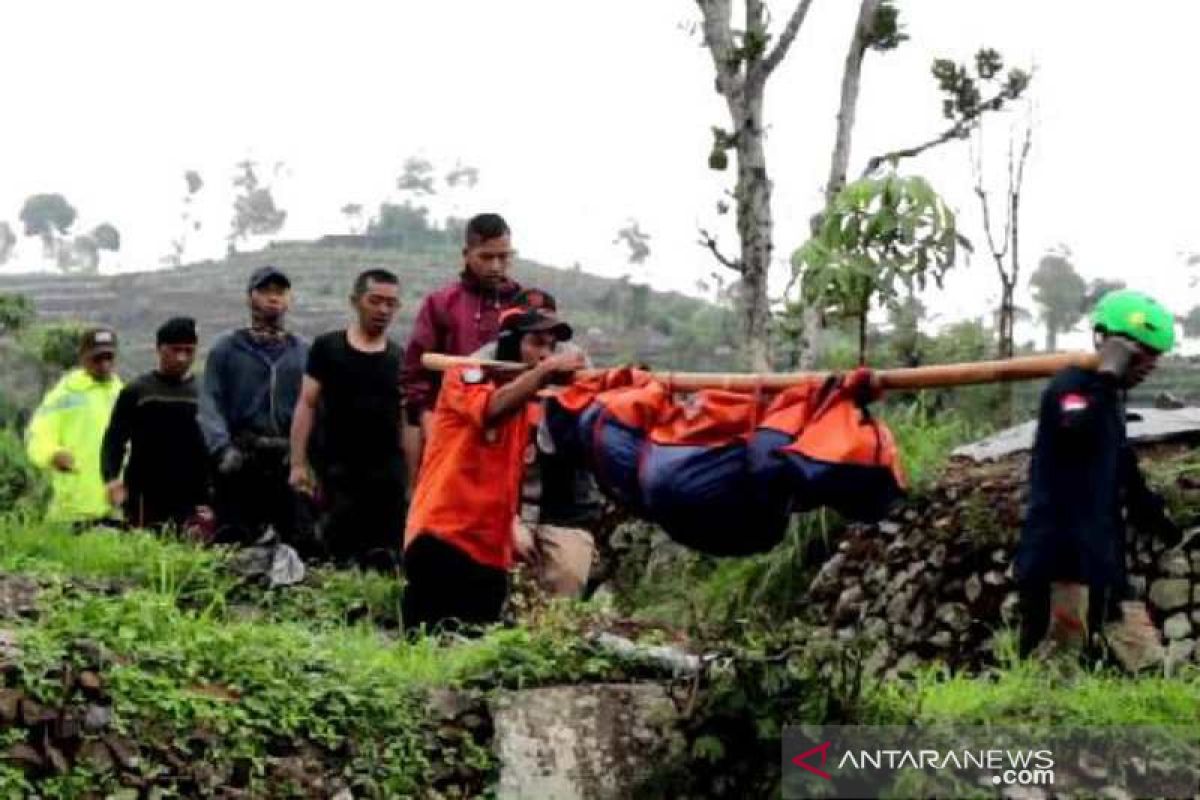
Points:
[(851, 82), (742, 71), (755, 225), (1007, 317), (1051, 337)]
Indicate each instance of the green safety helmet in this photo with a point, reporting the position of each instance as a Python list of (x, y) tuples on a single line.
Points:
[(1124, 312)]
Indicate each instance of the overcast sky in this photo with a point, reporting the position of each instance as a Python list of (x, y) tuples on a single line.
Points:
[(581, 116)]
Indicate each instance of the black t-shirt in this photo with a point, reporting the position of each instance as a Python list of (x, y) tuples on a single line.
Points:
[(360, 403)]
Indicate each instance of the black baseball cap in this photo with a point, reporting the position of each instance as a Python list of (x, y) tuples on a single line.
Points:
[(534, 320), (268, 274), (98, 340)]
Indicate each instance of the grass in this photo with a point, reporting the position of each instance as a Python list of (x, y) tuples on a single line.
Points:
[(191, 650)]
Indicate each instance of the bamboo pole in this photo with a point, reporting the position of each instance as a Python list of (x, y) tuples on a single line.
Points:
[(937, 376)]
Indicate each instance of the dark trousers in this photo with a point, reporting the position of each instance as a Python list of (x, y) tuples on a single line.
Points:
[(447, 588), (1103, 606), (256, 497), (362, 520), (145, 509)]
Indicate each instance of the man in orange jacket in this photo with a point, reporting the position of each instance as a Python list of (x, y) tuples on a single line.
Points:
[(459, 541)]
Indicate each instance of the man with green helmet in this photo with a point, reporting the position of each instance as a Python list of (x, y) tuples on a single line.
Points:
[(1084, 475)]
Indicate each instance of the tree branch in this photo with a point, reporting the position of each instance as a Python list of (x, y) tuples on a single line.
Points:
[(956, 131), (785, 39), (708, 241)]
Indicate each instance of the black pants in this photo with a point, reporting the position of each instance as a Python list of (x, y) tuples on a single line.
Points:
[(447, 588), (363, 515), (1103, 606), (147, 509), (256, 497)]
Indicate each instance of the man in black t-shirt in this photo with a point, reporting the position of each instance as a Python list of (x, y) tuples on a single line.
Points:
[(165, 481), (353, 378)]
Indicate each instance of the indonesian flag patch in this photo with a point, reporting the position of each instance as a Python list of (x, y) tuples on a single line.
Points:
[(1073, 402)]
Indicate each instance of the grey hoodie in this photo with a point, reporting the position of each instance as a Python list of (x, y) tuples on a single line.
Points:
[(245, 392)]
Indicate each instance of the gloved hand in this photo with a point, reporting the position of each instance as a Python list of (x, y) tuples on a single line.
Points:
[(232, 459)]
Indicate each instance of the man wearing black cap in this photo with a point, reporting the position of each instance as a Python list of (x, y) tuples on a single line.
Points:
[(165, 481), (459, 540), (66, 430), (251, 384)]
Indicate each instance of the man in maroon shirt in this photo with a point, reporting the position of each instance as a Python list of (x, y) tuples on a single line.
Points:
[(457, 320)]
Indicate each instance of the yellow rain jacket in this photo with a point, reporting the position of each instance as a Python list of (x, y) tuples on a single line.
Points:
[(73, 417)]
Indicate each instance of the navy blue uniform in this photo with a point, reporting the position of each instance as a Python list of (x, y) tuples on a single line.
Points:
[(1084, 479)]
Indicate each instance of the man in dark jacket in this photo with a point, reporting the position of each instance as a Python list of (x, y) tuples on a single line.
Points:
[(456, 320), (1084, 474), (251, 385), (166, 479)]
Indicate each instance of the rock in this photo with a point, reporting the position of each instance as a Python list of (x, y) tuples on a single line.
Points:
[(889, 528), (1177, 626), (34, 713), (1194, 559), (907, 664), (1146, 425), (920, 614), (937, 556), (942, 639), (672, 660), (955, 616), (10, 705), (1010, 608), (1169, 594), (1115, 793), (97, 718), (972, 588), (878, 660), (1178, 652), (124, 752), (89, 682), (1175, 563), (994, 578), (1137, 587), (594, 742), (849, 605), (878, 577), (344, 794), (1000, 556), (898, 607), (874, 627), (24, 756)]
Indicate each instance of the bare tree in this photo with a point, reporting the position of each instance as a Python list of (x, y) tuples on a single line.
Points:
[(1004, 244), (743, 61)]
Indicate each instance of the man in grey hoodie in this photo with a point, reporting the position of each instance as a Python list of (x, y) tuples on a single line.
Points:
[(251, 383)]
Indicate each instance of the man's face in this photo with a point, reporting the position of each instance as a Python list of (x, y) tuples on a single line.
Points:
[(271, 300), (377, 306), (175, 360), (489, 261), (101, 366), (1144, 362), (537, 346)]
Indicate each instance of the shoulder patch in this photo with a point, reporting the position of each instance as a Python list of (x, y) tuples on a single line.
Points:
[(473, 375), (1073, 402)]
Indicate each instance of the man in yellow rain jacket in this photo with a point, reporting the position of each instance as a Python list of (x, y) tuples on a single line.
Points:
[(67, 429)]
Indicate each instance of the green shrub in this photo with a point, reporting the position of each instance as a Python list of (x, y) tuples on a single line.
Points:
[(23, 487)]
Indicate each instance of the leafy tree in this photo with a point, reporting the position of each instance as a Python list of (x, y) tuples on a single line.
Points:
[(464, 175), (57, 344), (353, 212), (904, 318), (1191, 323), (417, 177), (743, 60), (879, 237), (48, 216), (254, 210), (16, 312), (194, 183), (82, 254), (637, 240), (1059, 291), (106, 237), (1097, 289), (8, 241)]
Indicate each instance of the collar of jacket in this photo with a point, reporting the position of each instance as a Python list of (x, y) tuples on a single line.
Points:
[(505, 291), (78, 380)]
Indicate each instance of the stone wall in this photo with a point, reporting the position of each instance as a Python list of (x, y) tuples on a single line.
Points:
[(934, 581)]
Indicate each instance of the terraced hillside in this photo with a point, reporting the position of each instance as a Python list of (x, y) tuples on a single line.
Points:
[(614, 322)]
